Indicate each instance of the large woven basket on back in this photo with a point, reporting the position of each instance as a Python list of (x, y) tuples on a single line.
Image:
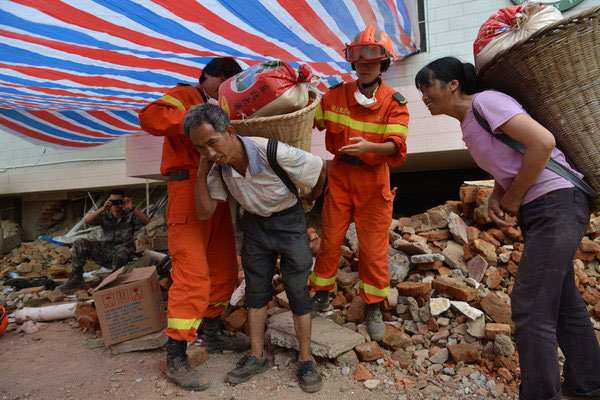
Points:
[(555, 75), (294, 128)]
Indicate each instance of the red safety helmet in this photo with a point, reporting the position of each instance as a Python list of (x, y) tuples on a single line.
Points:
[(370, 45)]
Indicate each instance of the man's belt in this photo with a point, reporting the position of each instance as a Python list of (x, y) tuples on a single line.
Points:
[(352, 160), (179, 175)]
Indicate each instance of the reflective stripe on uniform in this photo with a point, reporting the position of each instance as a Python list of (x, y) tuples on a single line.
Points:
[(184, 324), (319, 116), (369, 289), (363, 126), (218, 303), (172, 100), (321, 281)]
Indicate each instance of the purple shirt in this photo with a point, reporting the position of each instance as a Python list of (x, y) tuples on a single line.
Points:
[(497, 158)]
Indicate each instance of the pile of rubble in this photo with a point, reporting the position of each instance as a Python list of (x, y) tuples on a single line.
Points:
[(448, 314), (46, 265)]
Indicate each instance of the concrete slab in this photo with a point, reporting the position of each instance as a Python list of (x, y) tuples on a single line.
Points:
[(329, 340)]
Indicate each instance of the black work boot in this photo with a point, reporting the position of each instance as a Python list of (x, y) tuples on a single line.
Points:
[(246, 368), (75, 281), (374, 321), (216, 341), (320, 301), (308, 378), (179, 370)]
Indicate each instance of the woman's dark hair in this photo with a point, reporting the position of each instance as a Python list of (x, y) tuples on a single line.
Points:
[(225, 66), (447, 69)]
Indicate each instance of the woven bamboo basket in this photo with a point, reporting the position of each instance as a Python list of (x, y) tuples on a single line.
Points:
[(294, 128), (555, 75)]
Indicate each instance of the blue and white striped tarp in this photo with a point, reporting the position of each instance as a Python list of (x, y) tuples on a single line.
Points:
[(73, 73)]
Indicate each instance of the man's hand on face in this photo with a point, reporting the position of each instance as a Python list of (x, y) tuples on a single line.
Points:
[(127, 203), (107, 205), (204, 165)]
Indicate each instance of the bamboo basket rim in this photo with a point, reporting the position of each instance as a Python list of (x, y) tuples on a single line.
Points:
[(562, 24)]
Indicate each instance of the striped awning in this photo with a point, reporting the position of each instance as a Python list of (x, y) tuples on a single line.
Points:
[(73, 73)]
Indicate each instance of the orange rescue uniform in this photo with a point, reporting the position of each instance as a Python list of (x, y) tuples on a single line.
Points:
[(203, 253), (359, 191)]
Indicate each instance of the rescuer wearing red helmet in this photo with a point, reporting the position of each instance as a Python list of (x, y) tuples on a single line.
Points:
[(366, 124)]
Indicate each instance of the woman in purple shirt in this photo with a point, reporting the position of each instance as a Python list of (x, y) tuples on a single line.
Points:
[(547, 308)]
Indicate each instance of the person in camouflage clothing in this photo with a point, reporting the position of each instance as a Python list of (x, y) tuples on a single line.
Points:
[(118, 219)]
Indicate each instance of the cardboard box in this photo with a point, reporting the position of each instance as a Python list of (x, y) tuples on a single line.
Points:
[(129, 305)]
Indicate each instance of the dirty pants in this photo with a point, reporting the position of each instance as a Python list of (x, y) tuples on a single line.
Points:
[(547, 308), (361, 192), (109, 257), (204, 261)]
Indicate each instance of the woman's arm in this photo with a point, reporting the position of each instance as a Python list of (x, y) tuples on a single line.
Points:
[(538, 142)]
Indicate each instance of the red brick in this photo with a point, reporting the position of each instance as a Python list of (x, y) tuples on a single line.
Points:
[(369, 351), (356, 311), (467, 250), (482, 194), (513, 233), (361, 373), (497, 309), (439, 234), (493, 279), (489, 238), (518, 246), (413, 289), (505, 374), (472, 233), (395, 339), (339, 301), (580, 255), (486, 249), (465, 352), (492, 329), (468, 194), (589, 246), (432, 266), (497, 234), (512, 268), (515, 256), (454, 288), (235, 320)]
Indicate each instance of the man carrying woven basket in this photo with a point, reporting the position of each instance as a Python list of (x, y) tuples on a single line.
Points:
[(204, 259), (366, 124), (263, 176)]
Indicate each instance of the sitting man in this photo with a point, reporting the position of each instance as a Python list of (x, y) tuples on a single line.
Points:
[(118, 219), (273, 224)]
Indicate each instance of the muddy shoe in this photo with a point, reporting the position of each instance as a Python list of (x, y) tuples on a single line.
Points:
[(320, 301), (246, 368), (75, 282), (374, 321), (308, 378), (216, 341), (179, 370)]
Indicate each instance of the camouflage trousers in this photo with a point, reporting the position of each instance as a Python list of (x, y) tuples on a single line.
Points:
[(109, 257)]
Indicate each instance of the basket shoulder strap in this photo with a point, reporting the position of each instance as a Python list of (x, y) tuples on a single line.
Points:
[(272, 158), (552, 165), (220, 167)]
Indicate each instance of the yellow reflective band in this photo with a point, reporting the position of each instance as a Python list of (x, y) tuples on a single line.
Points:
[(321, 281), (319, 116), (369, 289), (368, 127), (218, 303), (183, 324), (174, 101)]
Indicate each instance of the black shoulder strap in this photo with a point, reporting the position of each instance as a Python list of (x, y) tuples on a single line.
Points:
[(399, 98), (201, 91), (337, 85), (220, 167), (272, 158), (552, 165), (183, 84)]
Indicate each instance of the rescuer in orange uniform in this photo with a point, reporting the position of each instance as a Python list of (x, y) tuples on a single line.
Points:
[(366, 124), (204, 257)]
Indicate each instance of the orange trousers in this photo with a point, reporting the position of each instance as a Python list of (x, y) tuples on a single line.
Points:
[(362, 193), (204, 261)]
